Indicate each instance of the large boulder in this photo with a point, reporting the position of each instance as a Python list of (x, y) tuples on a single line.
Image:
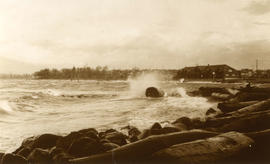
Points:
[(117, 138), (44, 141), (156, 126), (25, 151), (67, 140), (59, 156), (157, 129), (13, 159), (39, 156), (210, 111), (183, 123), (85, 146), (133, 134), (154, 92)]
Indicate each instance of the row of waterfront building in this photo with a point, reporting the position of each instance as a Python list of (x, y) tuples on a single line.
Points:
[(222, 71)]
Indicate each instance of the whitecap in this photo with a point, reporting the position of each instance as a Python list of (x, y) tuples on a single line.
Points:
[(5, 107)]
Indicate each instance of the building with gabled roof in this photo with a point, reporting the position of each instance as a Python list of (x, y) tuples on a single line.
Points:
[(222, 71)]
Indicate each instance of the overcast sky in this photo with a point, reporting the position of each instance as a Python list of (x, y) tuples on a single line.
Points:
[(133, 33)]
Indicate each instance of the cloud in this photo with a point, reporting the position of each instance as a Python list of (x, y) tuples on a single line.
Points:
[(258, 7), (125, 34), (262, 23), (17, 67), (237, 54)]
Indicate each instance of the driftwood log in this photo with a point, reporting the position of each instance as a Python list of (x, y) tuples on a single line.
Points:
[(262, 105), (248, 122), (227, 107), (251, 96), (139, 150), (224, 148)]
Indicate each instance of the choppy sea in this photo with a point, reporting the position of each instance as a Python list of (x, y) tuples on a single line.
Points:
[(32, 107)]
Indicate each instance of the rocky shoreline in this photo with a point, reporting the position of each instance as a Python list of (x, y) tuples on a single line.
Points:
[(238, 131)]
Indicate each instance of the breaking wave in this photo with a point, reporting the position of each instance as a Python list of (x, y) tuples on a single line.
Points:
[(5, 108)]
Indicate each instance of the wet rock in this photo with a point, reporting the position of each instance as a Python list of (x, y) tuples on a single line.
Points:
[(28, 142), (197, 123), (1, 155), (110, 131), (104, 141), (156, 126), (109, 146), (165, 130), (117, 138), (13, 159), (154, 92), (84, 147), (39, 156), (59, 156), (210, 111), (66, 141), (133, 131), (133, 138), (101, 135), (183, 123), (24, 152), (45, 141), (53, 151), (133, 134), (145, 133), (89, 130)]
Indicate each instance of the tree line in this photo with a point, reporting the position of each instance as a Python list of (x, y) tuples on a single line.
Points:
[(98, 73)]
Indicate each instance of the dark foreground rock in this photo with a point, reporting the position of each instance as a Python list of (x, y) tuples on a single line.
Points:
[(40, 156), (13, 159), (142, 149)]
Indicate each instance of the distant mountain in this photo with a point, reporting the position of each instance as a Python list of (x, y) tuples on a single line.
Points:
[(16, 67)]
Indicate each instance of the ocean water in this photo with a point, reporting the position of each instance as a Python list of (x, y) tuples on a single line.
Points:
[(32, 107)]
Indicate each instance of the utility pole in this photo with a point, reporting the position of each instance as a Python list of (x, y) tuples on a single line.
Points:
[(257, 64)]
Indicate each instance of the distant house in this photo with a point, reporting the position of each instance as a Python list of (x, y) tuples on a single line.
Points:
[(209, 72), (246, 73)]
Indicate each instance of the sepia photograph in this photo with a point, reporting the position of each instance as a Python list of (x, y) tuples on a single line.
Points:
[(134, 81)]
